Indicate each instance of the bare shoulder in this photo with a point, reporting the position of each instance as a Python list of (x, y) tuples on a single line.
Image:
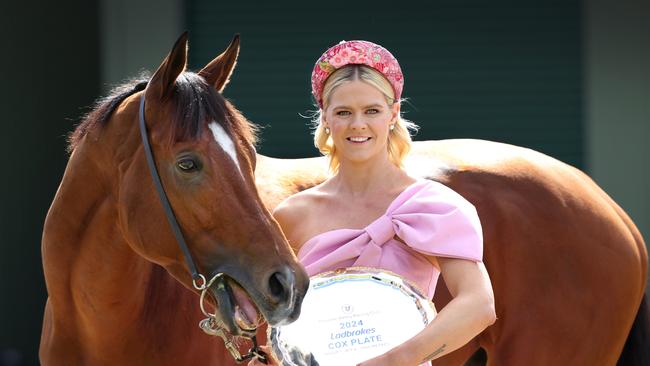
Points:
[(294, 212), (287, 211)]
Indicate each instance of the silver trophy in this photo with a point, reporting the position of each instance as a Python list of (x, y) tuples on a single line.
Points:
[(351, 315)]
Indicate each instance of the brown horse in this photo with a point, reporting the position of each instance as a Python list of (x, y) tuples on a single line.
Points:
[(117, 280), (567, 265)]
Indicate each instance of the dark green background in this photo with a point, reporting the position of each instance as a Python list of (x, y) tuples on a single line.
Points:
[(50, 71), (508, 71)]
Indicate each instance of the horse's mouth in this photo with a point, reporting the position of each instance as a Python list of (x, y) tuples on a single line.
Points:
[(246, 314), (237, 310)]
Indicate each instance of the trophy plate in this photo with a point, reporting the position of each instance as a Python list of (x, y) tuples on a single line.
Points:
[(351, 315)]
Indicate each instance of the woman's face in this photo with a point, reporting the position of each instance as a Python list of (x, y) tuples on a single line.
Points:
[(359, 117)]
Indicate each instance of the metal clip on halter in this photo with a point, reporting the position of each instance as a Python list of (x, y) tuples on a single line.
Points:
[(213, 326)]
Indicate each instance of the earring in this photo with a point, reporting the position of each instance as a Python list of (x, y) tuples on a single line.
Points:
[(392, 127), (327, 130)]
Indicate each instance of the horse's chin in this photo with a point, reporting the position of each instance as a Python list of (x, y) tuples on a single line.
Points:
[(238, 312)]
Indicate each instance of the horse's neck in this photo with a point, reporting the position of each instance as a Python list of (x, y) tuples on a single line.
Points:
[(81, 232), (99, 289)]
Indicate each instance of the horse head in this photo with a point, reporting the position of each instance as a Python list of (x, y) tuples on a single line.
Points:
[(204, 152)]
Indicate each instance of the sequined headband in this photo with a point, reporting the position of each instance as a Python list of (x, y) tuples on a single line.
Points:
[(356, 53)]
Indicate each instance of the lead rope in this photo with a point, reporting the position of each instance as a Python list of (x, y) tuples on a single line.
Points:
[(211, 325)]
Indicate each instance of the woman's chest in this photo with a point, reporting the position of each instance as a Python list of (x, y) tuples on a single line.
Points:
[(341, 214)]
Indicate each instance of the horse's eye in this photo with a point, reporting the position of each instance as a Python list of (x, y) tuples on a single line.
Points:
[(187, 165)]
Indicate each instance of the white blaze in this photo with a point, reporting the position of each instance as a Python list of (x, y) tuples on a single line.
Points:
[(222, 138)]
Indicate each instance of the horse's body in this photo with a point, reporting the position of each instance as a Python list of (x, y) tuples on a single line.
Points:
[(567, 265)]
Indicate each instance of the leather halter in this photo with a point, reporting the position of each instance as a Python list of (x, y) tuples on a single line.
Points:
[(169, 212), (209, 325)]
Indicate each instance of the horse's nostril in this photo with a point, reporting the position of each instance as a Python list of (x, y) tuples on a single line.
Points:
[(280, 285), (275, 284)]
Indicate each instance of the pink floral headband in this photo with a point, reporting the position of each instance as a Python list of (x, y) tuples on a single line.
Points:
[(356, 53)]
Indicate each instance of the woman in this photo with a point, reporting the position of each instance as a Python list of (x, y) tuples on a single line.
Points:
[(371, 213)]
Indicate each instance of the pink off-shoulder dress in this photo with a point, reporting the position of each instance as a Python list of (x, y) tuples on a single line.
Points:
[(431, 220)]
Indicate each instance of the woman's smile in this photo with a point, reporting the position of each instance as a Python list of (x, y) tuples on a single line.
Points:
[(358, 139)]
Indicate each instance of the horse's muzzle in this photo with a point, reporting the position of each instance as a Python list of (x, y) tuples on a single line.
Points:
[(286, 288), (277, 297)]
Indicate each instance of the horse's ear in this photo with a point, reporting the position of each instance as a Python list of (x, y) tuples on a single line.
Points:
[(162, 81), (217, 72)]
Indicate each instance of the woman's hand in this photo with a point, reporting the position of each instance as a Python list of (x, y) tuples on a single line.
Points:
[(270, 359), (469, 312)]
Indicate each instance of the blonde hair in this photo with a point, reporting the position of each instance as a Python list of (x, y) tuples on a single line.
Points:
[(399, 139)]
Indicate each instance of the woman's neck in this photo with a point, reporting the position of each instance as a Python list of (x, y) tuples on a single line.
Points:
[(358, 179)]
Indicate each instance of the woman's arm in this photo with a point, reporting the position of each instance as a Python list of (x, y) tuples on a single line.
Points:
[(469, 312)]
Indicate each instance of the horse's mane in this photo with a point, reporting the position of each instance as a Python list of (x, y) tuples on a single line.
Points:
[(195, 103)]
